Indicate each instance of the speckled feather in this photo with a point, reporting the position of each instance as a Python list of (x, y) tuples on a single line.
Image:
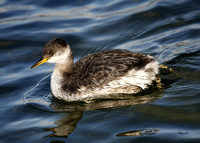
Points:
[(97, 69)]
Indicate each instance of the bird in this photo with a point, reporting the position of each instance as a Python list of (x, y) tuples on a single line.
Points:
[(98, 75)]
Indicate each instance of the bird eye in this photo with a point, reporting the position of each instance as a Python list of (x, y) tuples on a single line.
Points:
[(51, 53)]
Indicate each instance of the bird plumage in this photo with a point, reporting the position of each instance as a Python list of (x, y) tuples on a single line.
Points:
[(98, 75)]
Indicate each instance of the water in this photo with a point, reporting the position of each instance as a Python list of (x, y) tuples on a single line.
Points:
[(167, 29)]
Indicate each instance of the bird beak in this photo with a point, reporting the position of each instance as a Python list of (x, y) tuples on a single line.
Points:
[(39, 62)]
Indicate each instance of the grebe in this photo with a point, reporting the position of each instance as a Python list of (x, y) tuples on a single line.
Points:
[(97, 75)]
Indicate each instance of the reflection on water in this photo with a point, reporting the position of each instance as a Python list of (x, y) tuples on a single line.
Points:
[(75, 110), (66, 125), (138, 132), (127, 100)]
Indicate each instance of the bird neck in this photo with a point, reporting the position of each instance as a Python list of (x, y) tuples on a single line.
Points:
[(65, 67), (59, 76)]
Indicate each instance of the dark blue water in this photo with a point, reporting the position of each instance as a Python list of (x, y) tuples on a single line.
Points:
[(166, 29)]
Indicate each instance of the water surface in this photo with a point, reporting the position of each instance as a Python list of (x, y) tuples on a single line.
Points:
[(166, 29)]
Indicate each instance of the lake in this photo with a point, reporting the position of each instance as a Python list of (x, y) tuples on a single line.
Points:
[(166, 29)]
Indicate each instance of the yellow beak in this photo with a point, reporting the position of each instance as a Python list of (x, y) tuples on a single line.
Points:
[(41, 61)]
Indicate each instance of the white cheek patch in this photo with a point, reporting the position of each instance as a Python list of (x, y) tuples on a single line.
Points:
[(60, 56), (57, 58)]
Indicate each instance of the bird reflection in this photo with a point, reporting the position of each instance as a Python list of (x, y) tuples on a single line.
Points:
[(74, 111), (67, 124), (138, 132)]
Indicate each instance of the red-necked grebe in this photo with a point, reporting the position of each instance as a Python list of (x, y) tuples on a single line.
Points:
[(97, 75)]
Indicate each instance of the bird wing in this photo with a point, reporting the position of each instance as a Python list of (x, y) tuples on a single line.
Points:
[(96, 69)]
